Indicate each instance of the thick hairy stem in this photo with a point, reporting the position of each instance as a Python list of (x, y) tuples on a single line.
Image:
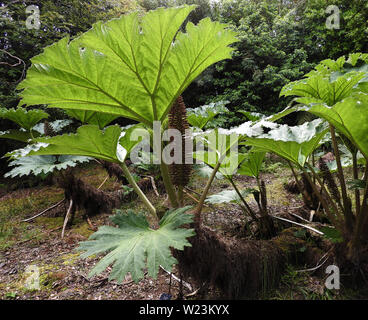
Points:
[(347, 209), (199, 207), (263, 196), (362, 215), (356, 176), (180, 196), (248, 208), (169, 187), (320, 196), (139, 192), (323, 188), (300, 187), (313, 164)]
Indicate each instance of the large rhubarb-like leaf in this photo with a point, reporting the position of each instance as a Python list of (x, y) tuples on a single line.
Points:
[(336, 91), (331, 81), (134, 66), (350, 117), (92, 117), (228, 196), (218, 147), (89, 141), (133, 245), (42, 164), (319, 89), (199, 117), (26, 119), (251, 165), (19, 135), (291, 143)]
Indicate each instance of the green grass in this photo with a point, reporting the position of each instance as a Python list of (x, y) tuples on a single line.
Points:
[(20, 205), (296, 285)]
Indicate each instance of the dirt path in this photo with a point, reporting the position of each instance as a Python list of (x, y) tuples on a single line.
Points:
[(37, 245), (62, 275)]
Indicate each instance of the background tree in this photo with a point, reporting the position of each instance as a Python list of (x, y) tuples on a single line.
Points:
[(18, 44), (280, 40)]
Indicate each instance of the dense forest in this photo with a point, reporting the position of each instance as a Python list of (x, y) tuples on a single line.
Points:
[(99, 101)]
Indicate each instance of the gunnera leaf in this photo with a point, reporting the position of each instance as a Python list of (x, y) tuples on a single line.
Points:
[(26, 119), (133, 245), (42, 164), (227, 196), (134, 66)]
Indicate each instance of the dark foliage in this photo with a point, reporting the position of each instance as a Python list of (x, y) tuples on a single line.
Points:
[(114, 170), (85, 197)]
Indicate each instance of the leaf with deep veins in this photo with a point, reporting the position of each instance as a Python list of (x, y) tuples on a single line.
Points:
[(92, 117), (18, 135), (42, 164), (26, 119), (291, 143), (131, 67), (89, 141), (349, 117), (133, 245)]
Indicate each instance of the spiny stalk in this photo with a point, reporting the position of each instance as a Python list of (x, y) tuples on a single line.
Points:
[(180, 172)]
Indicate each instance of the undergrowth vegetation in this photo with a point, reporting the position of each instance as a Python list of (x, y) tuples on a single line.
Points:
[(137, 67)]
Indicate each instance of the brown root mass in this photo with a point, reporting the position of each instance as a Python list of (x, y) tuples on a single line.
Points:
[(48, 130), (92, 200), (239, 268), (292, 187), (311, 199), (114, 170), (95, 201), (353, 268)]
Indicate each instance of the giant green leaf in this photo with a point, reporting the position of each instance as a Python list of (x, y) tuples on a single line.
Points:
[(89, 141), (42, 164), (331, 81), (133, 66), (92, 117), (19, 135), (319, 89), (336, 91), (228, 196), (199, 117), (291, 143), (350, 117), (133, 245), (219, 147), (26, 119), (251, 165)]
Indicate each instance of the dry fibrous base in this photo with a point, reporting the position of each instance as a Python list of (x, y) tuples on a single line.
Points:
[(239, 268), (114, 170), (292, 187), (95, 201), (84, 196)]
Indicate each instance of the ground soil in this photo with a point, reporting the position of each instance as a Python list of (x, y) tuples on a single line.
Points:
[(64, 276)]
